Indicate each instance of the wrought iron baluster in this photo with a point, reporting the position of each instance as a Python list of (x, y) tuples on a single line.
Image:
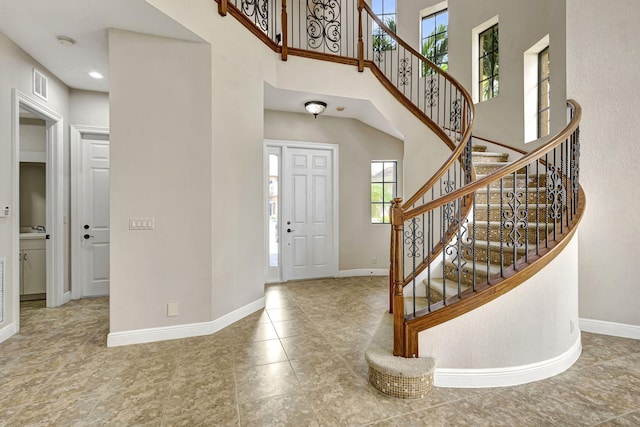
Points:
[(537, 229), (488, 231), (473, 241), (501, 227), (526, 207)]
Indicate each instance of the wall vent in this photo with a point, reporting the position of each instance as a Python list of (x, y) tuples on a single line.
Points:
[(40, 84), (3, 262)]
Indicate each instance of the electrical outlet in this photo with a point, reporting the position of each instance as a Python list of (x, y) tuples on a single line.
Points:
[(172, 309)]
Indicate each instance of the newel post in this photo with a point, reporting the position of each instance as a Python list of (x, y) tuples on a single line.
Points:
[(285, 31), (397, 221), (360, 42), (222, 7)]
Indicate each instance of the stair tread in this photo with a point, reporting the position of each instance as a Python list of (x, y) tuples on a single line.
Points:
[(529, 224), (497, 205), (450, 289), (481, 267), (529, 189), (518, 175), (488, 154), (492, 163), (496, 245)]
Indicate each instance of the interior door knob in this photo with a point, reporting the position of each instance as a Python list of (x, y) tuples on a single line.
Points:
[(86, 236), (289, 230), (86, 226)]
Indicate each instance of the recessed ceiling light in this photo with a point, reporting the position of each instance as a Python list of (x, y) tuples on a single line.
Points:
[(96, 75), (66, 41)]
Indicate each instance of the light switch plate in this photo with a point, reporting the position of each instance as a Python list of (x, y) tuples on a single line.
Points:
[(141, 223), (172, 309)]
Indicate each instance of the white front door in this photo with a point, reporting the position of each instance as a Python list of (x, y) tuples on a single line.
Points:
[(308, 212), (94, 214)]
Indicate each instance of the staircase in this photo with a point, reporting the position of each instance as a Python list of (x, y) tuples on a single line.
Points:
[(481, 225), (492, 252)]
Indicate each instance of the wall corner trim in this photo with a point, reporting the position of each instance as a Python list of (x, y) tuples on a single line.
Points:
[(364, 272), (603, 327), (505, 377), (140, 336)]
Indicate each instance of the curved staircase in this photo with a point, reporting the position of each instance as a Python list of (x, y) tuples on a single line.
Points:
[(480, 226)]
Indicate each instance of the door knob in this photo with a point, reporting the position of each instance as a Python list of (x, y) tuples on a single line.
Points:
[(86, 236), (289, 230), (86, 226)]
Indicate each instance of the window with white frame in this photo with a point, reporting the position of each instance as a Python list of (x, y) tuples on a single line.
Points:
[(536, 85), (488, 63), (544, 102), (384, 186), (386, 11), (434, 40)]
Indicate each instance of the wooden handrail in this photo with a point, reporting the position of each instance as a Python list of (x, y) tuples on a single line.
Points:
[(505, 170)]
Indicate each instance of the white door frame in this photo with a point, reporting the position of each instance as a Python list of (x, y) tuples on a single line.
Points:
[(283, 145), (55, 200), (76, 133)]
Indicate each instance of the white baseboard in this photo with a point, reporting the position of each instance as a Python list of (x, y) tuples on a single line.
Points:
[(364, 272), (140, 336), (8, 331), (610, 328), (505, 377)]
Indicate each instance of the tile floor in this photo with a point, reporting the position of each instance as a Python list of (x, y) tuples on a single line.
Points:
[(297, 363)]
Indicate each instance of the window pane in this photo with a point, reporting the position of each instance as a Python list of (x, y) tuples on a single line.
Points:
[(376, 193), (442, 19), (376, 171), (389, 190), (485, 90), (389, 6), (387, 215), (544, 123), (377, 213), (389, 172), (376, 6), (496, 87)]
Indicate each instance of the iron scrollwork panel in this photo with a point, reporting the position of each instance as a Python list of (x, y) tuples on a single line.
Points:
[(515, 218), (258, 10), (405, 71), (323, 24), (556, 192)]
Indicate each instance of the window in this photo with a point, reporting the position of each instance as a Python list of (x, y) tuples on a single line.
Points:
[(488, 63), (386, 11), (383, 189), (544, 105), (435, 39)]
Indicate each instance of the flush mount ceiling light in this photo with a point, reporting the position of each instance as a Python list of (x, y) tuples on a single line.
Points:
[(315, 107), (66, 41), (96, 75)]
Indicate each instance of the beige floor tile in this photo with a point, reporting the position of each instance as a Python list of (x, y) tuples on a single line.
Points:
[(258, 382), (285, 410), (306, 345), (259, 353)]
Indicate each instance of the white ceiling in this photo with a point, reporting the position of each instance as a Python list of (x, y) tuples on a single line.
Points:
[(34, 25)]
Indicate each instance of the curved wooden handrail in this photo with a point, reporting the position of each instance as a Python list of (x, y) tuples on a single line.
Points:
[(457, 148), (505, 170)]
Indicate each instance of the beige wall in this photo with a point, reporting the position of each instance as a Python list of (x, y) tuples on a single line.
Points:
[(88, 108), (359, 144), (160, 117), (17, 67), (603, 77)]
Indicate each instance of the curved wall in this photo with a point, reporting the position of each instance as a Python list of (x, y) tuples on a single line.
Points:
[(530, 333)]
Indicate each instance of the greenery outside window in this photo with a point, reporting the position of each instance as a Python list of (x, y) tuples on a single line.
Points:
[(435, 39), (384, 184), (544, 103), (489, 63)]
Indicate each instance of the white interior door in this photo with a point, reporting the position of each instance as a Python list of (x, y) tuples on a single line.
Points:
[(307, 221), (94, 214)]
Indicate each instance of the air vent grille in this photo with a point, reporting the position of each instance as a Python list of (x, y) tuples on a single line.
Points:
[(40, 84)]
